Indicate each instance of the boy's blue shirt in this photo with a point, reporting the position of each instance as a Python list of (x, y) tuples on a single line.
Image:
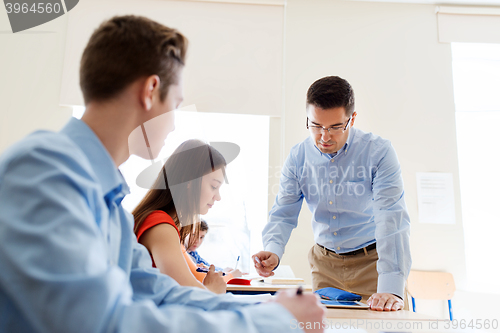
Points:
[(199, 260), (70, 260)]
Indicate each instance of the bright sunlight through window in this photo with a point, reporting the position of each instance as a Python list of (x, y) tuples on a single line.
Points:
[(235, 222), (476, 79)]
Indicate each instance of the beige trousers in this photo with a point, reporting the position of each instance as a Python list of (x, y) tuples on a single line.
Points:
[(356, 273)]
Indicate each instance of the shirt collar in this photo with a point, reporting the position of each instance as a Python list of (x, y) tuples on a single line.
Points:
[(344, 148), (350, 137), (110, 178)]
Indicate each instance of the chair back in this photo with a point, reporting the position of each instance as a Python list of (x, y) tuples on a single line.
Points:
[(431, 285)]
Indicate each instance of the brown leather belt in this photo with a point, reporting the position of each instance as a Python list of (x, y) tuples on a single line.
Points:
[(352, 253)]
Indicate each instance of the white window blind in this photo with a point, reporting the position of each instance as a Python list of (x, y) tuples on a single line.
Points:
[(235, 55), (476, 82), (468, 24)]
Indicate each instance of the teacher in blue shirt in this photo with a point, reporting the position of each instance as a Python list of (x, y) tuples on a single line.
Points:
[(351, 181)]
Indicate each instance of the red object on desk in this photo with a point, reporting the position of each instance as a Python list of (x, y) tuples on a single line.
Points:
[(240, 281)]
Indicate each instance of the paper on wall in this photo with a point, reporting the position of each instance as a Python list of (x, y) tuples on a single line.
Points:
[(436, 200)]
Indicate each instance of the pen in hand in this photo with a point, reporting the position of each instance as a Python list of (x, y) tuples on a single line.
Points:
[(299, 290), (237, 261), (257, 260), (205, 270)]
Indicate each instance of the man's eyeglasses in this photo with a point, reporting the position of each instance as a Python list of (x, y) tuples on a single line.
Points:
[(316, 129)]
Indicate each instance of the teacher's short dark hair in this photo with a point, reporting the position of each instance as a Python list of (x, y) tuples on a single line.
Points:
[(331, 92)]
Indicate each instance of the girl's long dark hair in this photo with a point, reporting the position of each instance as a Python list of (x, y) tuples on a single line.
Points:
[(177, 188)]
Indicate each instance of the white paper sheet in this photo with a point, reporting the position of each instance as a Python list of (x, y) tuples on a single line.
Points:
[(284, 271), (436, 200), (253, 299)]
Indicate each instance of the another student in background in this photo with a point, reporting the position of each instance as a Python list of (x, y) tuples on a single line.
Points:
[(197, 259), (165, 219)]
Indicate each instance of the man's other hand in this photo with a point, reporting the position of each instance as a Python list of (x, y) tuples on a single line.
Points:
[(265, 262)]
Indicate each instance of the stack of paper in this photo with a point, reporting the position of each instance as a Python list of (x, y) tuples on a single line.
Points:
[(284, 271), (254, 299), (283, 280)]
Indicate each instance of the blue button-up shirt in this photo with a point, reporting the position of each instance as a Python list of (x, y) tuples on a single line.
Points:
[(69, 258), (356, 198), (197, 259)]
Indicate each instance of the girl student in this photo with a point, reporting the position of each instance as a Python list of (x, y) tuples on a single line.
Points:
[(166, 219)]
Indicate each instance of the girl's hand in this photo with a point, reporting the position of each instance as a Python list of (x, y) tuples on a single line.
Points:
[(214, 281)]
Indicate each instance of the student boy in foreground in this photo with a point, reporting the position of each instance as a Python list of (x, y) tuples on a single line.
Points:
[(69, 258), (351, 181)]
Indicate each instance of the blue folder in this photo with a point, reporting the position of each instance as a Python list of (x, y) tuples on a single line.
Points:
[(334, 294)]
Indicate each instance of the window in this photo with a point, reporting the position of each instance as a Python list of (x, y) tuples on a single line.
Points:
[(476, 79), (235, 222)]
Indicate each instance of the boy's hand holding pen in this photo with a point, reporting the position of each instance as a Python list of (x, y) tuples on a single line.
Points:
[(305, 307)]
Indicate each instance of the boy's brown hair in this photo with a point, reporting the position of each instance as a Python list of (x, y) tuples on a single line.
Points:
[(126, 48)]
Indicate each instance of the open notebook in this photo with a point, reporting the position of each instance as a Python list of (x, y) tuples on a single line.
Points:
[(283, 280), (283, 275)]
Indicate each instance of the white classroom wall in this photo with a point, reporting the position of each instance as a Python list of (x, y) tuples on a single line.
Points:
[(30, 79), (390, 54)]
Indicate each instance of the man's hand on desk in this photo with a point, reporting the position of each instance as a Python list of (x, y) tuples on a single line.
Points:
[(385, 302), (265, 262)]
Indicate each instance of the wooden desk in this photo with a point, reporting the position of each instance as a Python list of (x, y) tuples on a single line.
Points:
[(258, 287), (376, 315), (357, 320), (368, 321)]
